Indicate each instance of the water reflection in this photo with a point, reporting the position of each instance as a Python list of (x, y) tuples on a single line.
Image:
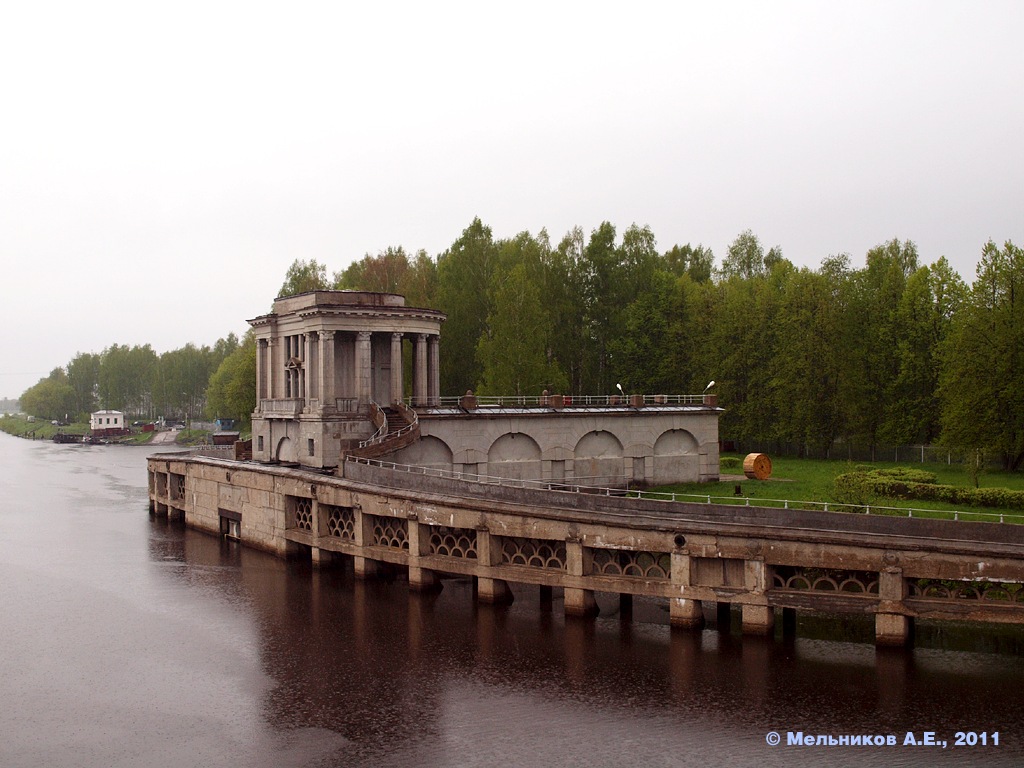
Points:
[(420, 679), (129, 639)]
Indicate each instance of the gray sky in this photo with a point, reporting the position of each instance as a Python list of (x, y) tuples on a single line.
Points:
[(161, 165)]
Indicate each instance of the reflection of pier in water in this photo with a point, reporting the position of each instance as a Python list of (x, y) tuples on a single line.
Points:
[(385, 666), (693, 557)]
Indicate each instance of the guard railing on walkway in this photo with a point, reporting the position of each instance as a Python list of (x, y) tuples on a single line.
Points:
[(581, 485)]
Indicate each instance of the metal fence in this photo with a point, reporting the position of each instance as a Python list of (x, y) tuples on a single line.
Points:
[(579, 485), (846, 450)]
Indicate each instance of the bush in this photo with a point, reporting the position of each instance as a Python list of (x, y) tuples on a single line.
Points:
[(729, 462), (917, 485)]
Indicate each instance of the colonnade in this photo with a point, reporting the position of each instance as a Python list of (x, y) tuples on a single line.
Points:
[(334, 370)]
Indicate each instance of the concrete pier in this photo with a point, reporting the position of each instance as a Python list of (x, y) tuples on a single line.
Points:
[(690, 555)]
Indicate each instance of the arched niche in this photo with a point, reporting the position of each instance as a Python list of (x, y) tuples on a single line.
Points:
[(598, 460), (675, 442), (286, 451), (676, 458), (515, 455), (428, 451)]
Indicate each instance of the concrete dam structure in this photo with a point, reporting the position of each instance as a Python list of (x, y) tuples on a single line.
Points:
[(350, 462), (694, 556)]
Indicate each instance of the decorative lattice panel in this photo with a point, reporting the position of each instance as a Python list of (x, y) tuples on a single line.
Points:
[(391, 532), (341, 521), (453, 542), (301, 513), (986, 591), (825, 580), (622, 562), (177, 486), (536, 553)]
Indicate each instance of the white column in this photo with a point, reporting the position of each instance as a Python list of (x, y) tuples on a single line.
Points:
[(364, 371), (261, 384), (433, 373), (419, 379), (307, 362), (326, 372), (271, 369), (396, 367)]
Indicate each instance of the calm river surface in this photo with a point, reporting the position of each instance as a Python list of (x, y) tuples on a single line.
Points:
[(128, 641)]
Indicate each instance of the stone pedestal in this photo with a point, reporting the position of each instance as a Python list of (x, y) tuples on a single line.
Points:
[(758, 619), (423, 579), (685, 614), (892, 629), (580, 602), (493, 591), (365, 568)]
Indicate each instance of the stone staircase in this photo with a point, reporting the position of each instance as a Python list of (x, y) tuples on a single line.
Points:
[(397, 427)]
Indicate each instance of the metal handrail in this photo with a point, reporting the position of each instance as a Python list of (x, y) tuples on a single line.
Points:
[(572, 401), (382, 430), (571, 485), (382, 433)]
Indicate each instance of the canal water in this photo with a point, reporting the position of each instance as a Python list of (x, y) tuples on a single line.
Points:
[(126, 640)]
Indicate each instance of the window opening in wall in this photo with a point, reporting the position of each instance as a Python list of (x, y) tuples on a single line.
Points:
[(231, 525), (311, 445), (259, 443)]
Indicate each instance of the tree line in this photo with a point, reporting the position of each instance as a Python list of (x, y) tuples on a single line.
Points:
[(895, 352), (135, 380)]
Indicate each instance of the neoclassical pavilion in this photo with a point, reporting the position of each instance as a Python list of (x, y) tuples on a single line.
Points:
[(324, 359), (330, 382)]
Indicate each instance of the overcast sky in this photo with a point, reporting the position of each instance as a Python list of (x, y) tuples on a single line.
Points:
[(161, 165)]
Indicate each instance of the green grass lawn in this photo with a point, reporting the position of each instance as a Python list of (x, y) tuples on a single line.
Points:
[(39, 428), (812, 480)]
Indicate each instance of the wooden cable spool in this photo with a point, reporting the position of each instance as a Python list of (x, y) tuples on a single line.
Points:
[(757, 466)]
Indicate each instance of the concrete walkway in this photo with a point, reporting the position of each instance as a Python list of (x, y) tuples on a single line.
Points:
[(167, 437)]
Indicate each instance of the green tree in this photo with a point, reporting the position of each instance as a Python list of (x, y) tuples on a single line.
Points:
[(50, 398), (698, 263), (383, 273), (513, 351), (805, 368), (464, 274), (83, 376), (564, 299), (745, 257), (651, 355), (983, 361), (303, 276), (876, 332), (232, 389)]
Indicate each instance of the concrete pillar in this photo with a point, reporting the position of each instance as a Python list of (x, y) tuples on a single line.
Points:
[(271, 369), (420, 579), (758, 617), (364, 367), (261, 384), (305, 385), (364, 567), (326, 372), (488, 590), (684, 613), (578, 602), (892, 626), (396, 368), (419, 377), (434, 370), (310, 366)]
